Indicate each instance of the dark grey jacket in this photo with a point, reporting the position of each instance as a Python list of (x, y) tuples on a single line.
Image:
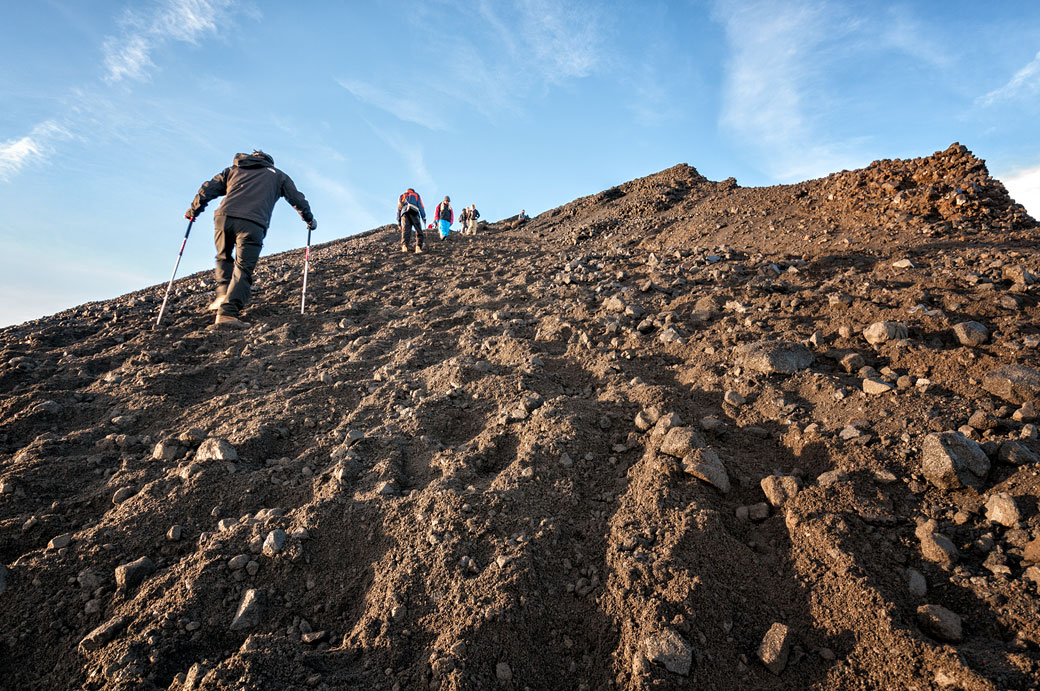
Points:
[(252, 185)]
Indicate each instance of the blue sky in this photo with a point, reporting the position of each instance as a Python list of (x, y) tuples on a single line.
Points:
[(115, 112)]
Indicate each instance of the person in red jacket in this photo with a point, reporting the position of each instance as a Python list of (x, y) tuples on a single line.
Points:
[(444, 216), (409, 210)]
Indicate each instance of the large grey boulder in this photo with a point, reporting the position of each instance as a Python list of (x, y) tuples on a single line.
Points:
[(951, 461), (771, 357), (1013, 383)]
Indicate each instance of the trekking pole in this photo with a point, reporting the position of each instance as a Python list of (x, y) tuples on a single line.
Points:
[(179, 255), (306, 264)]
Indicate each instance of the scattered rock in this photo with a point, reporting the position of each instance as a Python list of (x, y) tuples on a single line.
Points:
[(971, 333), (939, 623), (876, 386), (1016, 453), (916, 583), (880, 332), (680, 441), (248, 614), (131, 575), (104, 634), (274, 542), (775, 648), (60, 542), (503, 671), (951, 460), (706, 465), (935, 546), (769, 357), (1014, 383), (1001, 508), (733, 398), (779, 488), (669, 649), (214, 449)]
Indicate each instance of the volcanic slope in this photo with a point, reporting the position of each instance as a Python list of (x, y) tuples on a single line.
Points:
[(678, 434)]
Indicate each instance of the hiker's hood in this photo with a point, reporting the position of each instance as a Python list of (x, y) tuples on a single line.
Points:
[(257, 159)]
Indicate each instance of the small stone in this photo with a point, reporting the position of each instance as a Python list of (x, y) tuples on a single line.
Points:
[(733, 398), (1027, 413), (971, 333), (248, 614), (132, 574), (644, 420), (706, 465), (314, 636), (902, 264), (503, 671), (1014, 383), (758, 511), (60, 542), (274, 542), (916, 583), (880, 332), (778, 489), (104, 634), (175, 533), (1016, 453), (214, 449), (935, 546), (853, 362), (167, 450), (680, 441), (122, 494), (875, 387), (1001, 508), (238, 562), (939, 623), (669, 649), (831, 477), (950, 461), (770, 357), (775, 648)]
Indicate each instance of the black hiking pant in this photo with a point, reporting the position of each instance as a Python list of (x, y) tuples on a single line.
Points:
[(408, 221), (234, 274)]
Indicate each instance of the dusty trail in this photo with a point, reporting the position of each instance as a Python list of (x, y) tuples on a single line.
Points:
[(551, 456)]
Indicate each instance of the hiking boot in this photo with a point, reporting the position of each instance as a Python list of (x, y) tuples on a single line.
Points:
[(226, 321), (404, 247), (418, 250), (215, 305)]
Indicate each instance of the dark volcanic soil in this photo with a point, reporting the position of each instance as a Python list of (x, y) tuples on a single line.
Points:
[(612, 448)]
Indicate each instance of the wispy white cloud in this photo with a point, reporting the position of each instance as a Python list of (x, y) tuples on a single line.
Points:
[(1024, 188), (775, 98), (128, 55), (410, 152), (901, 31), (404, 105), (39, 143), (1024, 83), (345, 200), (565, 39)]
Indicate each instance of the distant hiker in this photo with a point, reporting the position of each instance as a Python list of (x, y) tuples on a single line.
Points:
[(522, 218), (469, 225), (252, 185), (409, 210), (444, 216)]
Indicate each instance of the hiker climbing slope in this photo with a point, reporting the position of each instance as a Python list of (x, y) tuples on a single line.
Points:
[(445, 216), (409, 210), (250, 188)]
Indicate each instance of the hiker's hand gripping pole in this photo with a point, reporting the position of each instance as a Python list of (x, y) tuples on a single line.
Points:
[(179, 255), (306, 265)]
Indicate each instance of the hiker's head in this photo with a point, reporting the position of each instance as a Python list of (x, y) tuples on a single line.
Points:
[(259, 153), (447, 198)]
